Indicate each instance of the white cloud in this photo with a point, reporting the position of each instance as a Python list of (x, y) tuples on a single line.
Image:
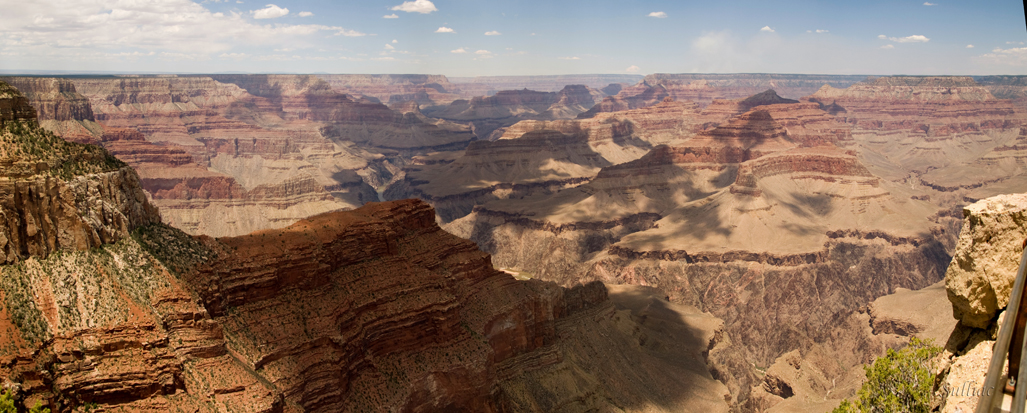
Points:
[(969, 46), (94, 28), (349, 33), (394, 41), (389, 47), (416, 6), (493, 33), (571, 58), (384, 58), (888, 46), (270, 11), (823, 31), (482, 52), (390, 16), (1016, 56), (445, 29), (767, 29), (460, 50), (916, 38), (305, 14), (927, 3), (658, 14), (632, 69), (235, 56)]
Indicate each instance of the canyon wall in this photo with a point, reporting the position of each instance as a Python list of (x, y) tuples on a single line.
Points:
[(763, 213), (57, 195)]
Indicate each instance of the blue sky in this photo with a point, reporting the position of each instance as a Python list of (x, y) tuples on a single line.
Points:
[(473, 37)]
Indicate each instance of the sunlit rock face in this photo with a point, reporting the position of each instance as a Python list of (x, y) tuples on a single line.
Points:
[(763, 212)]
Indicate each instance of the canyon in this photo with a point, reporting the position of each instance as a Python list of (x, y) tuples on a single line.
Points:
[(731, 242), (366, 310)]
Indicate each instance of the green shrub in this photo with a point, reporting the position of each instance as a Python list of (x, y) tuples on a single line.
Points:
[(7, 403), (901, 381)]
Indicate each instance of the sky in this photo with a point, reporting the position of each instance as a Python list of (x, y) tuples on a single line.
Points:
[(511, 37)]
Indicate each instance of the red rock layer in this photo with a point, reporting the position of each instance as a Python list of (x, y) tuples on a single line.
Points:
[(929, 105), (377, 309)]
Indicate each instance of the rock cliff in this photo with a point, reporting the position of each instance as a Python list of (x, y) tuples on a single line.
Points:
[(182, 134), (935, 132), (539, 157), (763, 214), (59, 108), (57, 195), (366, 310), (978, 283)]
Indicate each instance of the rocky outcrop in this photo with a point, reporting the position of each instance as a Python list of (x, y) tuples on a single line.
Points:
[(44, 215), (984, 265)]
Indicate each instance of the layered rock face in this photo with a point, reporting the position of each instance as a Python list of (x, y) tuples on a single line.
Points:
[(57, 195), (742, 220), (507, 107), (366, 310), (321, 310), (704, 88), (931, 131), (978, 283), (426, 90), (540, 157), (349, 120), (257, 161), (59, 107)]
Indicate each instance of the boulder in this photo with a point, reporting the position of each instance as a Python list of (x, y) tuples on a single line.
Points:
[(980, 278)]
